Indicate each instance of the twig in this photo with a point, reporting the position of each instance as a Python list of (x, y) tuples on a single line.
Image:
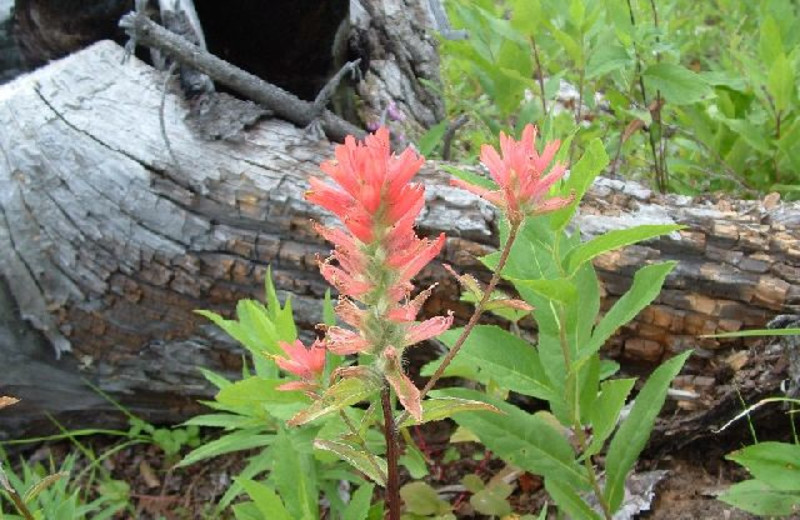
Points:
[(162, 123), (284, 104), (450, 133), (392, 455), (539, 73)]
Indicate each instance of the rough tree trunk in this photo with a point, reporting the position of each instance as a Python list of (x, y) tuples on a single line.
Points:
[(107, 245)]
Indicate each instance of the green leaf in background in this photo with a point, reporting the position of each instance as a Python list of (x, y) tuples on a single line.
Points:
[(770, 45), (267, 502), (569, 501), (421, 499), (338, 396), (430, 139), (781, 82), (614, 240), (678, 85), (294, 476), (472, 178), (754, 333), (258, 397), (528, 441), (761, 499), (775, 463), (358, 508), (444, 407), (605, 412), (646, 286), (499, 356), (632, 435), (356, 458)]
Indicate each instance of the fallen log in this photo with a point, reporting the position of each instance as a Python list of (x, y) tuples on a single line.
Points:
[(107, 248)]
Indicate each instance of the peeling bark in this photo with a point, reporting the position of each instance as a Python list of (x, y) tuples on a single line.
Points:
[(106, 247)]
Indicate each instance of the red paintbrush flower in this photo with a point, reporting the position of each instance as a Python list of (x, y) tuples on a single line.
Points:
[(306, 363), (520, 175), (378, 255)]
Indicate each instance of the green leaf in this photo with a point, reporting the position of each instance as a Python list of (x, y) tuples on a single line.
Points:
[(358, 508), (295, 478), (614, 240), (470, 177), (761, 499), (646, 286), (605, 412), (569, 501), (781, 82), (581, 176), (528, 441), (678, 85), (632, 435), (356, 458), (770, 45), (266, 500), (754, 333), (431, 138), (499, 356), (775, 463), (259, 397), (338, 396), (444, 407), (414, 461), (561, 290), (492, 501), (421, 499), (236, 441)]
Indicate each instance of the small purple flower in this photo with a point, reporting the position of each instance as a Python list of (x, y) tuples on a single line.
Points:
[(373, 126), (394, 113)]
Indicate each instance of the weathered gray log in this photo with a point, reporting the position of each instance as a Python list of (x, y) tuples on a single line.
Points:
[(106, 247)]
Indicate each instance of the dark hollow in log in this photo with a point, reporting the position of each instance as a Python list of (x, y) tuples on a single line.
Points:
[(107, 248)]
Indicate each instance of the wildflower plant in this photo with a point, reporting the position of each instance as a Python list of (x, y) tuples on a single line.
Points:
[(376, 255)]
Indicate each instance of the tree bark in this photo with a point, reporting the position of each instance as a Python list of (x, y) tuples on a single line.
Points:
[(107, 246)]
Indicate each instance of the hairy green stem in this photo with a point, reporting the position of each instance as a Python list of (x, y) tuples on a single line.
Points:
[(392, 455), (476, 315)]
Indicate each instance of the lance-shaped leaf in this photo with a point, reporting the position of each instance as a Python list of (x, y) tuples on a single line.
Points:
[(337, 397), (373, 467), (531, 442), (631, 437), (436, 409), (647, 284), (613, 240)]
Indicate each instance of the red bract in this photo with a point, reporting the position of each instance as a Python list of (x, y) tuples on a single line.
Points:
[(306, 363), (520, 174), (375, 259)]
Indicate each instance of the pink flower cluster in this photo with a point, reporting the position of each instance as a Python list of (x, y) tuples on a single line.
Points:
[(376, 255), (520, 174)]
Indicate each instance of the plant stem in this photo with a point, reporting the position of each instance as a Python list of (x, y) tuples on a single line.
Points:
[(576, 421), (654, 147), (476, 315), (392, 455), (539, 73)]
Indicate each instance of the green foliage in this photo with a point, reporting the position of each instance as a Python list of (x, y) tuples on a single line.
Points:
[(551, 269), (252, 413), (696, 100), (775, 488), (52, 493)]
